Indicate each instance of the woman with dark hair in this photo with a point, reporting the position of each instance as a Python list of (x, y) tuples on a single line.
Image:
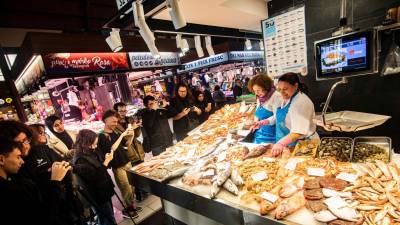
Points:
[(219, 97), (60, 140), (183, 105), (91, 169), (268, 100), (201, 103), (294, 118)]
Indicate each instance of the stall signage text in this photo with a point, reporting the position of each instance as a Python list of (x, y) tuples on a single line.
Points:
[(146, 60), (246, 55), (84, 62), (223, 57)]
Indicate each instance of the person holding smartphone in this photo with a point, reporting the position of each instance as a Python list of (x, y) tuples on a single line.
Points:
[(182, 104)]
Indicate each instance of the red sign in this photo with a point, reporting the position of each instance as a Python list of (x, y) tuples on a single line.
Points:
[(68, 63)]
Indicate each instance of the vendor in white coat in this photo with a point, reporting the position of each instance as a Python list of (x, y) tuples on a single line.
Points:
[(294, 118)]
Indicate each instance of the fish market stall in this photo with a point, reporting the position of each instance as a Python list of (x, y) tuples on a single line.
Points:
[(213, 178)]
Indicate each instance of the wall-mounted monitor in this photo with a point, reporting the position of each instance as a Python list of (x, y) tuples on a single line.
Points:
[(352, 54)]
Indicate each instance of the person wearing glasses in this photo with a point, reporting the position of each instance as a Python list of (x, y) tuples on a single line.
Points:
[(294, 117), (268, 100), (48, 174), (60, 140)]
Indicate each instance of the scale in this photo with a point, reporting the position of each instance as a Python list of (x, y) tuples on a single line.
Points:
[(362, 54)]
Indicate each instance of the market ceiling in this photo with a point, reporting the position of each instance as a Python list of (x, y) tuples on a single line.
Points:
[(224, 17), (235, 18)]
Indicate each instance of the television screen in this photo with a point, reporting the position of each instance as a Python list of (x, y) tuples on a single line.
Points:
[(347, 55)]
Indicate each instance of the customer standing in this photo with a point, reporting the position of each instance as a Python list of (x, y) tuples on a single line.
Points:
[(91, 168), (182, 104), (156, 126), (111, 139), (135, 148), (219, 97), (60, 140), (44, 176), (203, 105), (237, 89)]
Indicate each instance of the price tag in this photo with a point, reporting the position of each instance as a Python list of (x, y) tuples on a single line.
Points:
[(347, 177), (269, 159), (291, 164), (209, 173), (317, 172), (335, 202), (269, 197), (191, 152), (221, 157), (259, 176)]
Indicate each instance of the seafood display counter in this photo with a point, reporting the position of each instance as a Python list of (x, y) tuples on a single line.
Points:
[(212, 174)]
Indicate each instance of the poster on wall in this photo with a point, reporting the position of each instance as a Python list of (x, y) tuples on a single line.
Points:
[(285, 43), (71, 63), (146, 59)]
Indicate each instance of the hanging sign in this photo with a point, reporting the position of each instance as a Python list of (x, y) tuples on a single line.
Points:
[(212, 60), (245, 55), (146, 59), (69, 63)]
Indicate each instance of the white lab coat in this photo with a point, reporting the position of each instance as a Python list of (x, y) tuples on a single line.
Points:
[(300, 116)]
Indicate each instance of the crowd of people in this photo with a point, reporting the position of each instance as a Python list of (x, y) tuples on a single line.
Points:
[(58, 177)]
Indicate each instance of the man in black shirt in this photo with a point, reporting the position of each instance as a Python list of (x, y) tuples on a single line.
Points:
[(110, 140), (155, 123), (237, 89)]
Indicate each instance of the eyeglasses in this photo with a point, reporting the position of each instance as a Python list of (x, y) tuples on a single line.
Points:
[(26, 141)]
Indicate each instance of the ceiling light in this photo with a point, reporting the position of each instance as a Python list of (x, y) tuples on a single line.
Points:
[(176, 14), (114, 40), (248, 44), (209, 47), (179, 41), (261, 43), (197, 44), (144, 29), (184, 45)]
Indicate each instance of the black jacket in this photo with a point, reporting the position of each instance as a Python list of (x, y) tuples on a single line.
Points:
[(97, 181), (59, 201), (155, 124), (104, 146), (18, 195), (237, 91), (204, 115), (181, 126)]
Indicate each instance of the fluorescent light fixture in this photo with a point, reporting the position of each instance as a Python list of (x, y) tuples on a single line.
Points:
[(261, 43), (114, 40), (184, 45), (248, 44), (176, 14), (209, 47), (197, 44)]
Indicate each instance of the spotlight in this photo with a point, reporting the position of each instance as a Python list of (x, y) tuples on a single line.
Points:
[(176, 14), (184, 45), (209, 47), (181, 54), (261, 43), (197, 44), (179, 41), (114, 40), (248, 44), (144, 30)]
